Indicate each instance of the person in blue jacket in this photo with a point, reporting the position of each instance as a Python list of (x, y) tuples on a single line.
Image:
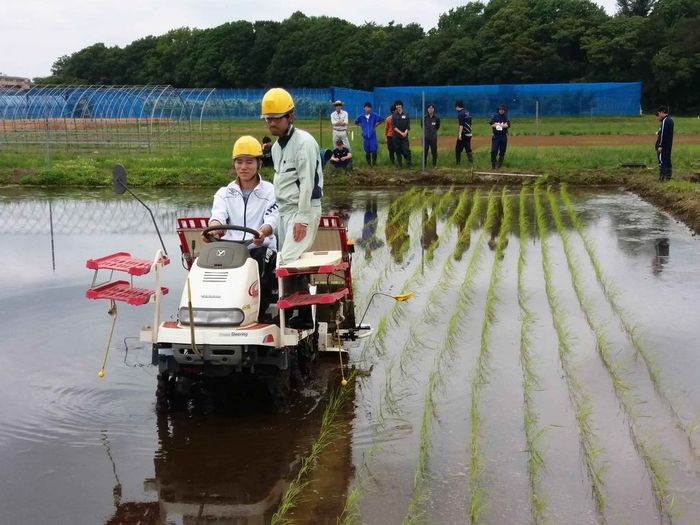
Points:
[(664, 143), (499, 142), (368, 122)]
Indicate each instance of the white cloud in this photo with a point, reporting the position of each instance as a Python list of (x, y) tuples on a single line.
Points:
[(34, 33)]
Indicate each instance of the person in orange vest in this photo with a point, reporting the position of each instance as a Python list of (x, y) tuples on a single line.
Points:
[(389, 134)]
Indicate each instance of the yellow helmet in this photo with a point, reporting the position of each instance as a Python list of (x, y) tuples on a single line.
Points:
[(276, 103), (246, 146)]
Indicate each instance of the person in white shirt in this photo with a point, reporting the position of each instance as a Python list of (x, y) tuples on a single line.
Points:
[(339, 124), (249, 201)]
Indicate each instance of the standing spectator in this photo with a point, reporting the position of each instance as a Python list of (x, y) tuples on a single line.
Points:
[(368, 122), (267, 151), (401, 125), (339, 123), (389, 134), (431, 125), (341, 158), (499, 142), (464, 135), (664, 143)]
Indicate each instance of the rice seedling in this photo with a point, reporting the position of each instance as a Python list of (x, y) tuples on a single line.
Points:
[(465, 232), (628, 326), (531, 381), (655, 465), (590, 447), (330, 428), (481, 372), (437, 373)]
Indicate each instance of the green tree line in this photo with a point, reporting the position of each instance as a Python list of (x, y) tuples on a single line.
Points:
[(502, 41)]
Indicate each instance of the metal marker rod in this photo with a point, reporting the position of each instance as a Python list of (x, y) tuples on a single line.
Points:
[(152, 216)]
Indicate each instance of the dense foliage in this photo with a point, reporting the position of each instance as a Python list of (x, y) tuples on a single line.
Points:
[(503, 41)]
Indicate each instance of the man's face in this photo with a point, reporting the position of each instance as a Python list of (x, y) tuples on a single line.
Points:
[(278, 125), (367, 110), (501, 111), (246, 168), (458, 109), (399, 108), (431, 110), (660, 115), (338, 108)]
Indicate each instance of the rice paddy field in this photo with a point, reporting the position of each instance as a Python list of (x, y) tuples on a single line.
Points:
[(522, 384), (544, 371)]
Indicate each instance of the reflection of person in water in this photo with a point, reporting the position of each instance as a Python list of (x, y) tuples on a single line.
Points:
[(496, 226), (662, 249), (396, 231), (369, 240), (429, 234)]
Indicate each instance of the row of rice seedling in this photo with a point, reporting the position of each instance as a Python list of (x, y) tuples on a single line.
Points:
[(655, 465), (531, 380), (397, 221), (590, 447), (329, 431), (481, 370), (437, 373), (464, 222), (390, 397), (628, 326)]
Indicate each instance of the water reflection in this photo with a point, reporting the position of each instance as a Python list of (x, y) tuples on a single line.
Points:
[(661, 256), (369, 240), (396, 232), (232, 465)]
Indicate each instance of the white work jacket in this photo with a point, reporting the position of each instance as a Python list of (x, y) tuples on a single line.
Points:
[(230, 207)]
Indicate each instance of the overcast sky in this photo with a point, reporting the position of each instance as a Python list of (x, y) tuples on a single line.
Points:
[(34, 33)]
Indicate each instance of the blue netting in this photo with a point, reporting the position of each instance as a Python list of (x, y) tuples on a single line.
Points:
[(554, 99), (353, 100), (129, 102)]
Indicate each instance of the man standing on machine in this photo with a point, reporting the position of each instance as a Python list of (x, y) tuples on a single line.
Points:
[(298, 181), (249, 201)]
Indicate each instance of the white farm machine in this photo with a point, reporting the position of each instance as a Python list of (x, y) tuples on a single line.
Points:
[(219, 331)]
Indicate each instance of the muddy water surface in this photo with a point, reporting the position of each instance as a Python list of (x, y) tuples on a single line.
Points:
[(78, 449)]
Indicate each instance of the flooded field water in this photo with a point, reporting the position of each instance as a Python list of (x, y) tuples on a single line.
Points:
[(545, 371)]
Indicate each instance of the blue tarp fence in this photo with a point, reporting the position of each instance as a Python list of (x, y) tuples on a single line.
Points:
[(166, 102)]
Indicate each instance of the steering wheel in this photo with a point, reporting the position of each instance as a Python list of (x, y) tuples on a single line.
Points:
[(206, 233)]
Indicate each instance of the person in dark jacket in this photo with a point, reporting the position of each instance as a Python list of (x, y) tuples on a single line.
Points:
[(401, 125), (664, 143), (499, 142), (464, 135), (431, 125)]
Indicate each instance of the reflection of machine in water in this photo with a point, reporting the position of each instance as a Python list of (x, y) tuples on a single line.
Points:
[(229, 468)]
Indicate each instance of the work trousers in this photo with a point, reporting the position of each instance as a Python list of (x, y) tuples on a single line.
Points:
[(465, 143), (403, 149), (341, 135), (665, 166), (430, 144), (290, 249), (499, 143), (390, 147)]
